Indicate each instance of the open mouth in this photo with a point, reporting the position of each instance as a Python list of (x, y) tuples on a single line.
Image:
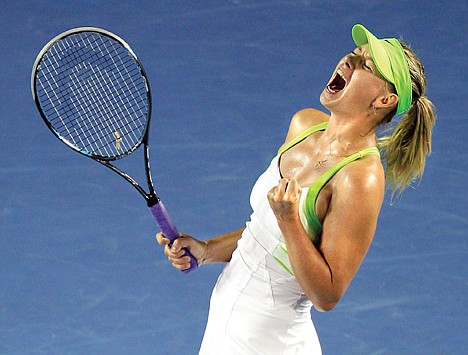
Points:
[(338, 82)]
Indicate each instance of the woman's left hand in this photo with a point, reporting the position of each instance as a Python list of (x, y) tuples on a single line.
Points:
[(284, 199)]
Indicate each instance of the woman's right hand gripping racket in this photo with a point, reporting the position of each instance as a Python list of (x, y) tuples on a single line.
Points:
[(93, 94)]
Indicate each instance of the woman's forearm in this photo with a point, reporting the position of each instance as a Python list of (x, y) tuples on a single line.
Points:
[(220, 248), (310, 268)]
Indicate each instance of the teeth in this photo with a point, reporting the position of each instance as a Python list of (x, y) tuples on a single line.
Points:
[(340, 73)]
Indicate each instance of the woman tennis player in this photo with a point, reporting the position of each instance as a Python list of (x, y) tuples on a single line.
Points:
[(316, 206)]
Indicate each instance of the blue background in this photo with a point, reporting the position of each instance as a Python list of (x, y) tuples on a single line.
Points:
[(80, 271)]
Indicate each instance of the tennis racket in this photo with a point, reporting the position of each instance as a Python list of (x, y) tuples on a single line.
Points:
[(93, 94)]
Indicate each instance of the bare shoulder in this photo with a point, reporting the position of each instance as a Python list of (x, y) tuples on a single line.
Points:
[(303, 119), (362, 179), (356, 199)]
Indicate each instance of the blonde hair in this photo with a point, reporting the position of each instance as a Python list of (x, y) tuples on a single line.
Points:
[(405, 150)]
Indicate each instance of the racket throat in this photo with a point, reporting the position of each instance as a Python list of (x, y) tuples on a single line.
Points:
[(152, 200)]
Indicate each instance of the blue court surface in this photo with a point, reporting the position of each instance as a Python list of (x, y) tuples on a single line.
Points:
[(80, 271)]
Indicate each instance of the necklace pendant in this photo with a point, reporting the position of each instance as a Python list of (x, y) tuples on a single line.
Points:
[(319, 163)]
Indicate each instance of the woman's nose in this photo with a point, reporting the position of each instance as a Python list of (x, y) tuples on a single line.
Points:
[(353, 60), (349, 62)]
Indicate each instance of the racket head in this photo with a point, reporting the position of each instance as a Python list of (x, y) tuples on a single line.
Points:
[(93, 93)]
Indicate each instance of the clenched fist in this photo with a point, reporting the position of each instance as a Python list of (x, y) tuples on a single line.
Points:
[(284, 199)]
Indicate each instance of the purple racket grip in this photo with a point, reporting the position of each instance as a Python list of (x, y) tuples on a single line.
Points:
[(169, 230)]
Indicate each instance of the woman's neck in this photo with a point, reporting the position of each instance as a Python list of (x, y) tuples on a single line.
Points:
[(347, 135)]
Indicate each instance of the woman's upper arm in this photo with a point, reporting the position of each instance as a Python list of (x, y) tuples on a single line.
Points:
[(350, 223)]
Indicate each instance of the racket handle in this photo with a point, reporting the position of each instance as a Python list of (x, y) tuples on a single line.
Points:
[(164, 221)]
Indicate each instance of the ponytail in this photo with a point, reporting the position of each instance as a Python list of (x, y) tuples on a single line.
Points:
[(406, 149)]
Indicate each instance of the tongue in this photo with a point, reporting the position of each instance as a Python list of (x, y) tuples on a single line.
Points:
[(337, 84)]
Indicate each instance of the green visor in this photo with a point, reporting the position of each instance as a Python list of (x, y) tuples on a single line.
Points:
[(389, 58)]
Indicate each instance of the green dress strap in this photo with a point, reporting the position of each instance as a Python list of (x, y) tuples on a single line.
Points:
[(318, 184), (303, 135)]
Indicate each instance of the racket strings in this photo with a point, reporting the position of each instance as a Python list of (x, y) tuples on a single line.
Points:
[(94, 95)]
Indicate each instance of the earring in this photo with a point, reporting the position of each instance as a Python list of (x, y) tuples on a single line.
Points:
[(373, 108)]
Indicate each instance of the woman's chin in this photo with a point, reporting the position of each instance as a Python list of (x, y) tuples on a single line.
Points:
[(328, 98)]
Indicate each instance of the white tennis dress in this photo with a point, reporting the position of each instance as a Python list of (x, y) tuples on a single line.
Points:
[(257, 306)]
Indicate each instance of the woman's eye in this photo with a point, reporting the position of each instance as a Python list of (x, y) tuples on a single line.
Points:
[(366, 67)]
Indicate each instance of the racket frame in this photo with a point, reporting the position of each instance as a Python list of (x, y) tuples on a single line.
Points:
[(151, 196)]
